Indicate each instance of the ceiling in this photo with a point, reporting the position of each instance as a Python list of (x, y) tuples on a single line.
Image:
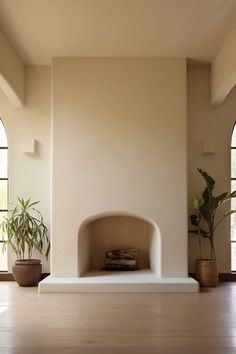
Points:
[(42, 29)]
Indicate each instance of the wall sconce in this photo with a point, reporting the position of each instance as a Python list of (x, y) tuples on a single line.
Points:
[(208, 147), (28, 146)]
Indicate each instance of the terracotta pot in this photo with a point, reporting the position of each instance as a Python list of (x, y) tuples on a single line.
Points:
[(206, 272), (27, 272)]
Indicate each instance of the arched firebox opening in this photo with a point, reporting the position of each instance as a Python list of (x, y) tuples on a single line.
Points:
[(117, 230)]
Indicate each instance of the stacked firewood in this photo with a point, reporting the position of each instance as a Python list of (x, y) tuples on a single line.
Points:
[(121, 259)]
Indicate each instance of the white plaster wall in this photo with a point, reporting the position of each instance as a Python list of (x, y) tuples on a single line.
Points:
[(119, 144), (151, 119), (215, 124), (29, 176)]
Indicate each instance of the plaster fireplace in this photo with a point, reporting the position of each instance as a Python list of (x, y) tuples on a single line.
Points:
[(119, 174)]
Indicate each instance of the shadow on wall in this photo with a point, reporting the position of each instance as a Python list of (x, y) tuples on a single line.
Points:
[(115, 230)]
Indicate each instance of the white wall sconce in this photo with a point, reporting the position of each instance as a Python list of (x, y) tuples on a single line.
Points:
[(28, 146), (208, 147)]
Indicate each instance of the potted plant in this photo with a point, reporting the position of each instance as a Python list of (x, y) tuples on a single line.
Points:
[(24, 231), (205, 223)]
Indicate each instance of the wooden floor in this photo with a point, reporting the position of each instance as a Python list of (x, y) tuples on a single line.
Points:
[(117, 323)]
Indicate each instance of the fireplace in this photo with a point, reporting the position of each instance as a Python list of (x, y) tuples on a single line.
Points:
[(119, 143), (115, 230)]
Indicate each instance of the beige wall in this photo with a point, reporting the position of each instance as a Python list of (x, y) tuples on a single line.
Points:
[(30, 175), (209, 123), (119, 144), (92, 94)]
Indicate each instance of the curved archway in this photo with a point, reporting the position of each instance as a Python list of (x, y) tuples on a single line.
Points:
[(113, 230), (3, 187), (233, 202)]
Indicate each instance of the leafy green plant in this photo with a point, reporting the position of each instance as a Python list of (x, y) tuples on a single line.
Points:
[(207, 205), (24, 230)]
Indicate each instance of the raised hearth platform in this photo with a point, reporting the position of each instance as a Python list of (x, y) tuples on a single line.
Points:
[(103, 281)]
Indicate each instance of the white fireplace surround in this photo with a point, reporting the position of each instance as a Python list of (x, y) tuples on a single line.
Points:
[(112, 230), (119, 143)]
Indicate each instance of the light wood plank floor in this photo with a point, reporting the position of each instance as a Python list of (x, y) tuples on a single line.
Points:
[(117, 323)]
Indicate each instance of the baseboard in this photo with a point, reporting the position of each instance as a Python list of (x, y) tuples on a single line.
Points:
[(227, 276), (222, 276), (4, 276)]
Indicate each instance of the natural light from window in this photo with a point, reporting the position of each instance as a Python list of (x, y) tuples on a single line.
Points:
[(3, 188), (233, 201)]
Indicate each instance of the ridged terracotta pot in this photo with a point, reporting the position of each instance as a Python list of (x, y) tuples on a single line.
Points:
[(27, 272), (206, 272)]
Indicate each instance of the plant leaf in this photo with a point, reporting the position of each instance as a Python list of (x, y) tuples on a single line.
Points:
[(24, 231), (197, 202), (209, 180)]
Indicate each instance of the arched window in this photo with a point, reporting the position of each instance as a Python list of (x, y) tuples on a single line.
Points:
[(3, 188), (233, 201)]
